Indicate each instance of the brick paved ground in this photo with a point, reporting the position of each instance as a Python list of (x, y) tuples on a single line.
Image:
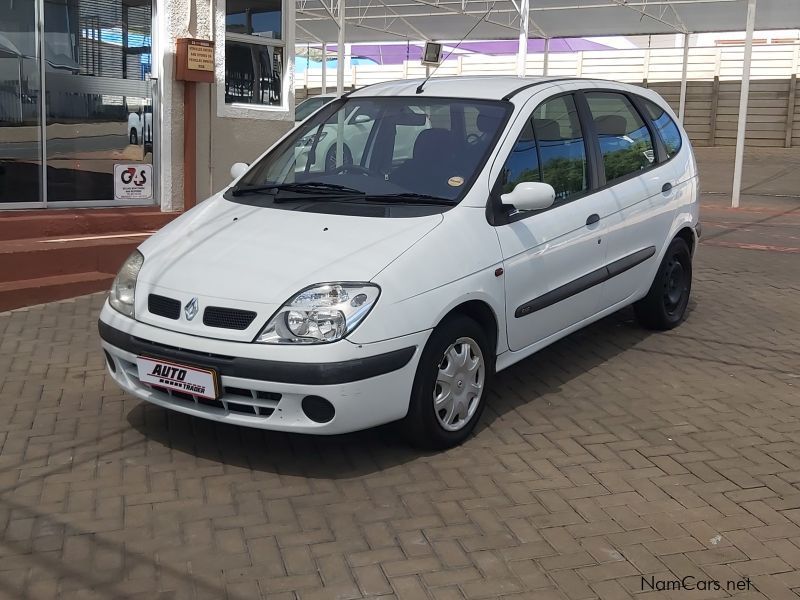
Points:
[(612, 455)]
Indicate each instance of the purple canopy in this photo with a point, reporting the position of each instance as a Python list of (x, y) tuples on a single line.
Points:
[(395, 54)]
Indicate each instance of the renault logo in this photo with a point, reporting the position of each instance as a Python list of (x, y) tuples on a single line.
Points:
[(191, 308)]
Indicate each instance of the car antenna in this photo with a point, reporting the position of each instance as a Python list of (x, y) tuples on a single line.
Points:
[(466, 35)]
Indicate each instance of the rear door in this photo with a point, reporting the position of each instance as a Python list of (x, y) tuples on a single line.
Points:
[(638, 186)]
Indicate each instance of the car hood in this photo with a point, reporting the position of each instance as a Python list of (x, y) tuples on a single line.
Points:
[(254, 254)]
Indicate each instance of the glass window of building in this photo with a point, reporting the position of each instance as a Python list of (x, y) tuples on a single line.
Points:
[(254, 52), (92, 65)]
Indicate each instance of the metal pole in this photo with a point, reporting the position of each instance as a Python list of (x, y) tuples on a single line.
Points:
[(740, 130), (522, 49), (324, 68), (340, 52), (684, 71), (340, 86), (546, 56)]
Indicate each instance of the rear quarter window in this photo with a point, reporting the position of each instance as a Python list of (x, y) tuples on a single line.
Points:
[(667, 129)]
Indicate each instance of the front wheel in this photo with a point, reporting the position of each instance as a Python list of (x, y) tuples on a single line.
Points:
[(450, 385), (134, 137), (664, 307)]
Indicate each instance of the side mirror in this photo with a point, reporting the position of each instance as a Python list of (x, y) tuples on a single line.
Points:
[(238, 169), (530, 195)]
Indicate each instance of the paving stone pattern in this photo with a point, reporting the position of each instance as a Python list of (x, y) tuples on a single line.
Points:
[(614, 457)]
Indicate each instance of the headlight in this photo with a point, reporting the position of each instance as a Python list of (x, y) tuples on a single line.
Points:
[(123, 289), (323, 313), (309, 139)]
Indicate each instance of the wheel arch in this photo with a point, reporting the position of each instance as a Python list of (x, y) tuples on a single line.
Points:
[(483, 314), (687, 235)]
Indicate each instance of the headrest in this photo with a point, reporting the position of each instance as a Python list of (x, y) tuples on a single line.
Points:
[(430, 143), (611, 125), (547, 130), (487, 123)]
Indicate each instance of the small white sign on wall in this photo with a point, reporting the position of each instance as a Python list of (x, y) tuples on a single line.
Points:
[(133, 182)]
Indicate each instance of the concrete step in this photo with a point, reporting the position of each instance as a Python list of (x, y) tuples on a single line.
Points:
[(25, 259), (15, 225), (26, 292)]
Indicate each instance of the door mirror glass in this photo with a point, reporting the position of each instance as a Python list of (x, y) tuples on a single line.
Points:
[(239, 169), (530, 195)]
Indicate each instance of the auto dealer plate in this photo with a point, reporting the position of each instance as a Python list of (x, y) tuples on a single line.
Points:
[(178, 377)]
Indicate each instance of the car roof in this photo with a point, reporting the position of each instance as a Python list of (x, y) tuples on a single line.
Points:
[(486, 87), (489, 87)]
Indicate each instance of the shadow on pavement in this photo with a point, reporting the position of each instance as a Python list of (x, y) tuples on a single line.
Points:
[(361, 453)]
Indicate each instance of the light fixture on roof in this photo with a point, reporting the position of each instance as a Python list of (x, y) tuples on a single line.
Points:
[(432, 55)]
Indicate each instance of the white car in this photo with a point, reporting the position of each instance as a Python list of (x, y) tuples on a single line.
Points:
[(321, 146), (140, 126), (330, 299), (304, 109)]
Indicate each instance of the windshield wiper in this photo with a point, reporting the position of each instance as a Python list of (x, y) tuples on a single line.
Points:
[(411, 197), (308, 187)]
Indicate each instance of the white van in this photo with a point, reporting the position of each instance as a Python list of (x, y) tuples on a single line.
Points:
[(325, 296)]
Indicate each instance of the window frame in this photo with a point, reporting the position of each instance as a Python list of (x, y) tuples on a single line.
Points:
[(494, 211), (657, 146), (663, 157), (278, 112), (495, 214)]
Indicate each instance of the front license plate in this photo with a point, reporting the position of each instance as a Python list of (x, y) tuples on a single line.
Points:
[(174, 376)]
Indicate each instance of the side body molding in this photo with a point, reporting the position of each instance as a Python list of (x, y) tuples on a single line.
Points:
[(584, 282)]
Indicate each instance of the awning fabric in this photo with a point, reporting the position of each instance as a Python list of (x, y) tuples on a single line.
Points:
[(384, 20)]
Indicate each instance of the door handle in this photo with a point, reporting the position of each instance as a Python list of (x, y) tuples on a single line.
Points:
[(666, 188), (592, 219)]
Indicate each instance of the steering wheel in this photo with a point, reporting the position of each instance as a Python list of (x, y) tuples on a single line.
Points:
[(354, 168), (473, 138)]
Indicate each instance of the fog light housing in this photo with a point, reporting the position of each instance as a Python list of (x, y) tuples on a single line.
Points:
[(318, 409)]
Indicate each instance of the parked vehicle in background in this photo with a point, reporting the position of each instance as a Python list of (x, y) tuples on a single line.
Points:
[(303, 110), (140, 126), (475, 221)]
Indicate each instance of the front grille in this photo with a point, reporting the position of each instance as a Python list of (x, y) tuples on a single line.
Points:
[(227, 318), (256, 404), (163, 306)]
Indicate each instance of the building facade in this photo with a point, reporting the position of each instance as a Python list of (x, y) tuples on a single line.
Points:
[(91, 113)]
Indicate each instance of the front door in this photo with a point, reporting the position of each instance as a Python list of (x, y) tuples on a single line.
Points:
[(552, 258)]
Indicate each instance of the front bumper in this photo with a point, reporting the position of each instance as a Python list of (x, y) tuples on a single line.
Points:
[(368, 384)]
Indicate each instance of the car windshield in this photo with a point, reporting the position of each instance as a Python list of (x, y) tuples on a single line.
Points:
[(382, 149)]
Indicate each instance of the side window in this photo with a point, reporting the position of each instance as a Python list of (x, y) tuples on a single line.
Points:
[(625, 141), (523, 162), (667, 129), (562, 152)]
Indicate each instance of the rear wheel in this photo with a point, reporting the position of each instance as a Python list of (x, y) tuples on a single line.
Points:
[(450, 385), (664, 307), (134, 137)]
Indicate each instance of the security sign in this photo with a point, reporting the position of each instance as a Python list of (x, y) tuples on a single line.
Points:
[(133, 182)]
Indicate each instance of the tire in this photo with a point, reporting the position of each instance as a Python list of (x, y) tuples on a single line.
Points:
[(664, 307), (455, 337), (330, 157), (134, 138)]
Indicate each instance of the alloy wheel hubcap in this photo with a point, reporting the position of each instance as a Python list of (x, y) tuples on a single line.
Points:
[(459, 384)]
